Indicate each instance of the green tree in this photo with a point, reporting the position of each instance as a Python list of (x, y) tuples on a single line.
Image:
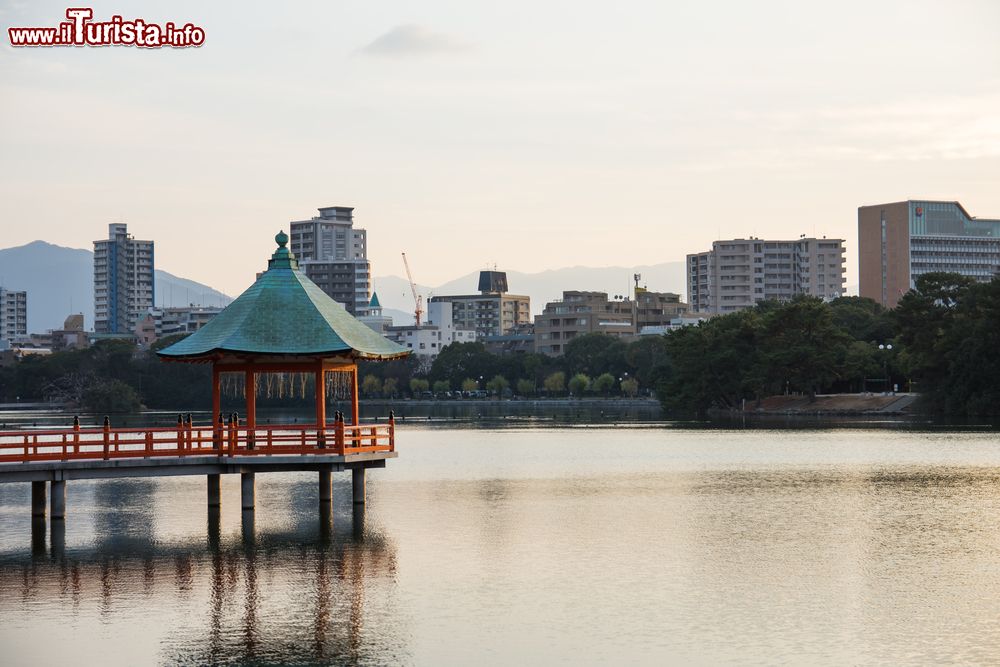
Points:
[(371, 385), (604, 383), (630, 387), (862, 319), (441, 386), (525, 387), (418, 385), (468, 384), (595, 353), (110, 396), (715, 364), (464, 360), (389, 387), (802, 346), (498, 385), (647, 359), (555, 383), (578, 384)]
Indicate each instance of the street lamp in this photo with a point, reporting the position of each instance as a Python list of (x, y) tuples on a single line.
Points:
[(885, 364)]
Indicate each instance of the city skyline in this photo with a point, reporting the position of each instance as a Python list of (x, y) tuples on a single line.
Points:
[(628, 138)]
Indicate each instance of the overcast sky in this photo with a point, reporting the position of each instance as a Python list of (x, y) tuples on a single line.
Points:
[(530, 135)]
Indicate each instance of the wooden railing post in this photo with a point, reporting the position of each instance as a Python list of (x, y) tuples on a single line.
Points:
[(189, 432), (76, 434), (180, 435), (392, 430), (220, 426), (338, 429), (234, 423), (107, 437), (149, 444)]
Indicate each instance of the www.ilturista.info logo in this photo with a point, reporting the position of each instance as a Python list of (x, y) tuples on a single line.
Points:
[(80, 30)]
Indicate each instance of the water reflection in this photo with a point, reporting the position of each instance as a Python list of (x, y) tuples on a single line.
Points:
[(292, 594)]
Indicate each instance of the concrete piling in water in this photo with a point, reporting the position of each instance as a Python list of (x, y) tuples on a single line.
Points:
[(358, 485), (57, 500), (214, 490), (325, 487), (247, 490), (38, 499)]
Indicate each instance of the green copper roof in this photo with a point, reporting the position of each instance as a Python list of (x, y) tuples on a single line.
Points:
[(374, 302), (285, 313)]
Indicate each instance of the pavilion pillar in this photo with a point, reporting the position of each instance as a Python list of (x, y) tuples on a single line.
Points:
[(325, 487), (247, 490), (250, 384), (38, 499), (320, 398), (355, 410), (358, 485), (216, 409), (214, 490), (57, 499)]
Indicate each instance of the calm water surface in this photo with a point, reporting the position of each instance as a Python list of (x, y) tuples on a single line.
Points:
[(640, 545)]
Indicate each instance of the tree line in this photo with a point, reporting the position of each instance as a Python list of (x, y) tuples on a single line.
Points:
[(941, 340)]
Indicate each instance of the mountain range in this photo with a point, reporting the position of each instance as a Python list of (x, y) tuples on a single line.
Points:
[(60, 281)]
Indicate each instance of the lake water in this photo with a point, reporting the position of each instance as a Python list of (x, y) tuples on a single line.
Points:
[(573, 545)]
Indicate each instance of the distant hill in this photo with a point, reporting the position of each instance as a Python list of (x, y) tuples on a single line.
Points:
[(394, 292), (60, 281)]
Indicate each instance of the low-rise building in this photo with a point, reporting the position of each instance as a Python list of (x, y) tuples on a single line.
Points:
[(656, 308), (492, 312), (579, 313), (70, 337), (161, 322), (429, 339)]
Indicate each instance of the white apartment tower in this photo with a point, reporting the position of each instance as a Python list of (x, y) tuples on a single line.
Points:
[(334, 255), (123, 281), (13, 315), (739, 273)]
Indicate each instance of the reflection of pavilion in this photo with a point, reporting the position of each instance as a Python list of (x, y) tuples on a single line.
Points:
[(300, 595), (284, 327)]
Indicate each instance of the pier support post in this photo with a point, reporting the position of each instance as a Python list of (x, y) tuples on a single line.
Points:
[(358, 485), (38, 499), (247, 490), (325, 487), (214, 490), (57, 499)]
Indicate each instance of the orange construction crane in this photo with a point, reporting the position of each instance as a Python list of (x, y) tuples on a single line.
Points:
[(418, 301)]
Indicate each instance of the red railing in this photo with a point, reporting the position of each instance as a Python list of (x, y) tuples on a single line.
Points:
[(186, 439)]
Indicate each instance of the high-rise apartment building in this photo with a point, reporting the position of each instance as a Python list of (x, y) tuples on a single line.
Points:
[(898, 242), (739, 273), (334, 255), (123, 281), (492, 312), (13, 314)]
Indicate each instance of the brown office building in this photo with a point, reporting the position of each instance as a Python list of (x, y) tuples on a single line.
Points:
[(898, 242)]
